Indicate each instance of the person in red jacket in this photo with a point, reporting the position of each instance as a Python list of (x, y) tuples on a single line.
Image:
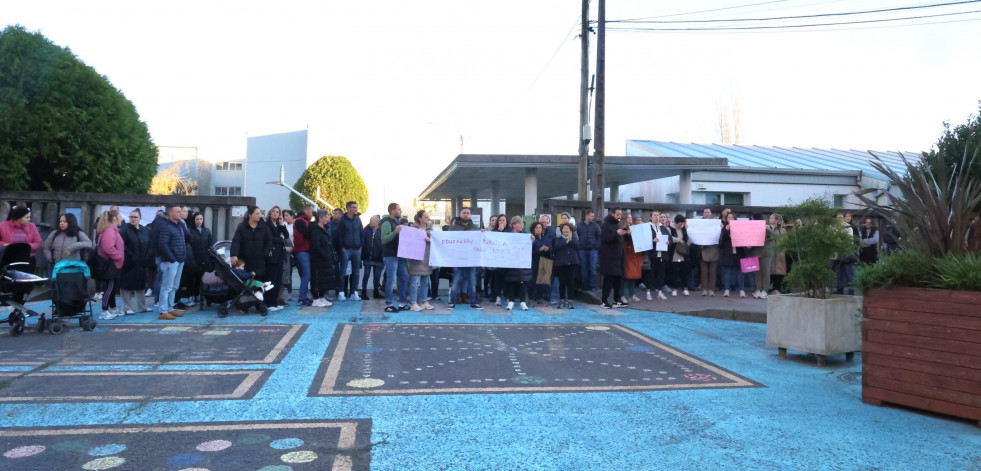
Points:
[(301, 246), (18, 228)]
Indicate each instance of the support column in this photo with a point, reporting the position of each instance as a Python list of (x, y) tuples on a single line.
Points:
[(495, 197), (531, 190), (457, 205), (684, 187), (473, 200), (614, 193)]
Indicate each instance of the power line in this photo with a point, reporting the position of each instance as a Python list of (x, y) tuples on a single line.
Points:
[(820, 15), (703, 11), (797, 26)]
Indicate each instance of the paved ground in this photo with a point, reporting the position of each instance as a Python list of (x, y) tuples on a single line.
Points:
[(95, 411)]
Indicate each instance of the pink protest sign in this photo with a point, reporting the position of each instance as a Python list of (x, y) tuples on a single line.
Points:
[(748, 233)]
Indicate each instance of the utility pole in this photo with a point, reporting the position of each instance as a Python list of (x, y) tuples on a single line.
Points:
[(584, 105), (599, 140)]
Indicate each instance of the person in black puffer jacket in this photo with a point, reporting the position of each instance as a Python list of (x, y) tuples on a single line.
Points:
[(611, 257), (132, 278), (323, 261), (566, 263), (371, 257), (276, 255), (252, 241), (200, 241)]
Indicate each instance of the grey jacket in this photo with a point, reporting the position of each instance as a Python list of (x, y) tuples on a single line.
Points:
[(57, 242)]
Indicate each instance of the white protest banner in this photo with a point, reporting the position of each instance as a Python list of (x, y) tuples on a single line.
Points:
[(412, 243), (480, 249), (704, 231), (506, 250), (643, 237), (455, 249), (147, 213)]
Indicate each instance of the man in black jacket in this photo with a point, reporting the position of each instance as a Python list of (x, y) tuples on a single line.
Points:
[(589, 237), (611, 257), (349, 230)]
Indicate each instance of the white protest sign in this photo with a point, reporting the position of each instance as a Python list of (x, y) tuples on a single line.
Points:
[(704, 231), (147, 213), (643, 237), (480, 249), (412, 243), (662, 241)]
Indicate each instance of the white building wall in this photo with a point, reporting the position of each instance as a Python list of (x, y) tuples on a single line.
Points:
[(756, 194), (264, 156)]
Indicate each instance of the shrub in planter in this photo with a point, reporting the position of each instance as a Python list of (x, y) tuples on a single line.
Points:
[(814, 321)]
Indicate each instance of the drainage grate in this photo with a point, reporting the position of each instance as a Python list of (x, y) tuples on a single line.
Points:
[(852, 377)]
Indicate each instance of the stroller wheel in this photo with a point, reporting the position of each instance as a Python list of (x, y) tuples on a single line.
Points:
[(17, 327), (55, 327), (87, 323), (222, 310)]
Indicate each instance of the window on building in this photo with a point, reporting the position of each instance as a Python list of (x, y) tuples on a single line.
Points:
[(720, 199), (228, 166), (733, 199), (839, 201), (228, 191)]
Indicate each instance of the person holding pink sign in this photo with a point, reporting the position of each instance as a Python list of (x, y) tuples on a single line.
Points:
[(729, 256)]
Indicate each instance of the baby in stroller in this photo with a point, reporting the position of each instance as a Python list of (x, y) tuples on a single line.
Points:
[(248, 278)]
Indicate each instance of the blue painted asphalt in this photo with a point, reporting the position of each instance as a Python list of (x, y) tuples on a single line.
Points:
[(805, 418)]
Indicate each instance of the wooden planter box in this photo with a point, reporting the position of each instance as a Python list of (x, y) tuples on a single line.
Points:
[(922, 349)]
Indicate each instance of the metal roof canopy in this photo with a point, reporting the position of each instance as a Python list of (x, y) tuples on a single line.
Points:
[(557, 174)]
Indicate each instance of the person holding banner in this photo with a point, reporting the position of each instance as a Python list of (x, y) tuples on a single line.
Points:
[(632, 263), (566, 263), (396, 270), (709, 263), (658, 256), (420, 269), (679, 250), (539, 250), (611, 258), (729, 256), (463, 275), (516, 280)]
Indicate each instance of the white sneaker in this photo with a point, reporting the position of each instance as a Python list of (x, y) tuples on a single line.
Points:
[(624, 300), (705, 292), (762, 294), (524, 307), (510, 305), (635, 299), (327, 303), (427, 306), (725, 294), (497, 300), (649, 298), (149, 293), (742, 294), (712, 294), (341, 297), (660, 295), (107, 316), (190, 303), (355, 296), (685, 292), (674, 292), (97, 297), (415, 307), (258, 295), (756, 294), (319, 302), (130, 312)]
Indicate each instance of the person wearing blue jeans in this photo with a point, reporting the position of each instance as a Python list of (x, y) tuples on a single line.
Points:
[(464, 274), (396, 271), (349, 231), (302, 226), (588, 232), (172, 250)]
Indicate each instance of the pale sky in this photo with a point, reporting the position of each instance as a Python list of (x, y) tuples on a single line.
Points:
[(393, 85)]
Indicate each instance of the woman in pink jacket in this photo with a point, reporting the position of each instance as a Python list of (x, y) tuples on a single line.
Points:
[(111, 248), (19, 229)]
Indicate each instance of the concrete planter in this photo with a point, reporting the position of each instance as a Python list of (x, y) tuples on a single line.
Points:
[(923, 350), (820, 326)]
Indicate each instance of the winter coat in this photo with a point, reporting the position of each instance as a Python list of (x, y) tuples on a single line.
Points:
[(678, 237), (111, 246), (566, 253), (7, 229), (323, 259), (728, 259), (156, 227), (201, 240), (389, 238), (460, 225), (869, 251), (632, 261), (277, 247), (189, 259), (611, 248), (170, 243), (589, 236), (253, 245), (136, 243), (371, 246), (527, 275), (421, 267), (57, 242), (349, 232), (776, 259)]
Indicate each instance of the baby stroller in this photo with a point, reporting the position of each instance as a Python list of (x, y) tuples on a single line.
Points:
[(15, 284), (70, 296), (240, 295)]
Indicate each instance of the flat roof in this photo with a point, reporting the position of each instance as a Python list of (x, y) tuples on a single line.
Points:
[(557, 174)]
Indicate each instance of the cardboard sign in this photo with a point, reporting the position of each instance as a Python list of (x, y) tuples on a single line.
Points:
[(412, 243), (704, 231), (643, 237), (747, 233), (480, 249)]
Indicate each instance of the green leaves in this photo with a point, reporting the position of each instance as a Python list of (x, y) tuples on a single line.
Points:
[(822, 238), (338, 180), (64, 127)]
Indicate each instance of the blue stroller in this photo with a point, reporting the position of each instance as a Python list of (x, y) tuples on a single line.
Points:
[(16, 283), (70, 297)]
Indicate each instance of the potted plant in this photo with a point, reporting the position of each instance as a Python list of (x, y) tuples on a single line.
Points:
[(922, 305), (814, 320)]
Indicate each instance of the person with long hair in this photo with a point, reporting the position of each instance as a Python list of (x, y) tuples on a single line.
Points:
[(275, 256), (732, 275), (632, 263), (611, 258), (869, 242), (66, 242), (775, 260), (18, 228), (659, 259), (515, 281), (323, 260), (136, 251), (566, 263), (252, 241), (201, 240), (419, 270), (539, 249), (112, 249)]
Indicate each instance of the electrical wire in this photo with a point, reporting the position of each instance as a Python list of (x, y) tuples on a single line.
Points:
[(794, 26), (795, 17), (704, 11)]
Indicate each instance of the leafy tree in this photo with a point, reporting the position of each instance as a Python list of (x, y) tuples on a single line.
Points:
[(952, 147), (820, 239), (169, 181), (64, 127), (338, 180)]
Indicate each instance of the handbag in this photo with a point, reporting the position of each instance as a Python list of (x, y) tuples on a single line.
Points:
[(750, 264), (107, 268), (544, 271), (681, 248)]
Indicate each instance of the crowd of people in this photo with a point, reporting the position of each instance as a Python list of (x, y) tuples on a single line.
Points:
[(167, 258)]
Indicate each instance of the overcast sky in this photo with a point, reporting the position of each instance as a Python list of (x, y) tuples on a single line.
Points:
[(393, 85)]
